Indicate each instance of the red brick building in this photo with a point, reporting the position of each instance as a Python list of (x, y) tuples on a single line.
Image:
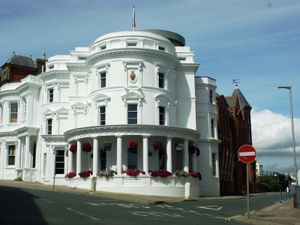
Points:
[(17, 67), (234, 130)]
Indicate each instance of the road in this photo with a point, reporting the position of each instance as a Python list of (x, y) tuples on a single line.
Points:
[(28, 206)]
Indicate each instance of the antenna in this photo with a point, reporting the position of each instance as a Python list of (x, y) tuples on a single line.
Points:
[(133, 23), (236, 82)]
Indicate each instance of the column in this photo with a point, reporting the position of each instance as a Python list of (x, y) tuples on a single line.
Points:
[(145, 155), (19, 155), (70, 160), (78, 158), (186, 156), (119, 155), (169, 154), (95, 156), (27, 149)]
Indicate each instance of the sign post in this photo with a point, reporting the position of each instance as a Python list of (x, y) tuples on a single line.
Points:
[(247, 155)]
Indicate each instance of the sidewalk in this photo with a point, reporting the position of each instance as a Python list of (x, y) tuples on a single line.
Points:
[(278, 214)]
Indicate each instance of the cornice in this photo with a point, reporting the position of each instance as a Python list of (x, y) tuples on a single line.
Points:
[(54, 138), (125, 52), (53, 74), (141, 130), (206, 140)]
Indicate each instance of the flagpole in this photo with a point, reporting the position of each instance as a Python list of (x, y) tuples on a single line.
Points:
[(133, 23)]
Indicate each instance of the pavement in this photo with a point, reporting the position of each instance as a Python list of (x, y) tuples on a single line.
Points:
[(280, 213)]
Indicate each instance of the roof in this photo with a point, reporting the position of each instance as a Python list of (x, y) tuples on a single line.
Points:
[(242, 100), (20, 60), (175, 38), (231, 101)]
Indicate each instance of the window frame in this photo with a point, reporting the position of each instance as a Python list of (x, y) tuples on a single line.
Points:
[(49, 126), (13, 114), (161, 48), (214, 164), (61, 168), (161, 80), (134, 119), (211, 96), (102, 121), (162, 115), (11, 156), (131, 44), (132, 159), (212, 128), (50, 94), (103, 79)]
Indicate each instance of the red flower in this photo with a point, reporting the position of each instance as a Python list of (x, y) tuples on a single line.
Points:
[(134, 173), (195, 175), (194, 150), (133, 144), (158, 145), (85, 173), (160, 173), (71, 175), (86, 147), (73, 148)]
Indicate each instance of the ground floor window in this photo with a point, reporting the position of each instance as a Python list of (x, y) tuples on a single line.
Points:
[(11, 155), (132, 159), (60, 162), (162, 160), (103, 160), (214, 164)]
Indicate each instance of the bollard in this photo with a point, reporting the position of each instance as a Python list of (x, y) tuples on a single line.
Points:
[(187, 190), (93, 184), (295, 200)]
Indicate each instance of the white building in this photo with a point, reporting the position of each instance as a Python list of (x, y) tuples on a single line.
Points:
[(259, 169), (112, 103)]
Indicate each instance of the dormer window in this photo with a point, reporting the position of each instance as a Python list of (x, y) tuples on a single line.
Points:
[(131, 44), (161, 48), (81, 58), (102, 47), (51, 67)]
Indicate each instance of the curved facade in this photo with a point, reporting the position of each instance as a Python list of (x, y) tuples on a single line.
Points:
[(126, 114)]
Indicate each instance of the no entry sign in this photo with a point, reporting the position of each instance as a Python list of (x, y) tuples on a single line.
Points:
[(247, 154)]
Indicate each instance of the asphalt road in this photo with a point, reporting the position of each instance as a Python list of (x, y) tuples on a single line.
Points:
[(28, 206)]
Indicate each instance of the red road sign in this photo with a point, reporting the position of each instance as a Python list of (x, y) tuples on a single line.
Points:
[(247, 154)]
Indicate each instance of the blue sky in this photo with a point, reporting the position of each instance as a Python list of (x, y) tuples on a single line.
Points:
[(257, 42)]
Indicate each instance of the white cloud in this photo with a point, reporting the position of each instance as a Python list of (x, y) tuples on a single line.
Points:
[(272, 139), (272, 131)]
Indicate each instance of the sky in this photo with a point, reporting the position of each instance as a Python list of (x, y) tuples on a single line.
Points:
[(254, 41)]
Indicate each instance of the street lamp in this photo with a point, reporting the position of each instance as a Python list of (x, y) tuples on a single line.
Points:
[(293, 130)]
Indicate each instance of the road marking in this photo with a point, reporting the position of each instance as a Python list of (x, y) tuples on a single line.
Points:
[(155, 214), (211, 207), (46, 200), (82, 214), (180, 209)]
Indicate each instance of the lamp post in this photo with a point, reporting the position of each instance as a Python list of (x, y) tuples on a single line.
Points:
[(289, 88)]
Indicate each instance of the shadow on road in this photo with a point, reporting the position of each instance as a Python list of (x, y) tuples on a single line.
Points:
[(18, 207)]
